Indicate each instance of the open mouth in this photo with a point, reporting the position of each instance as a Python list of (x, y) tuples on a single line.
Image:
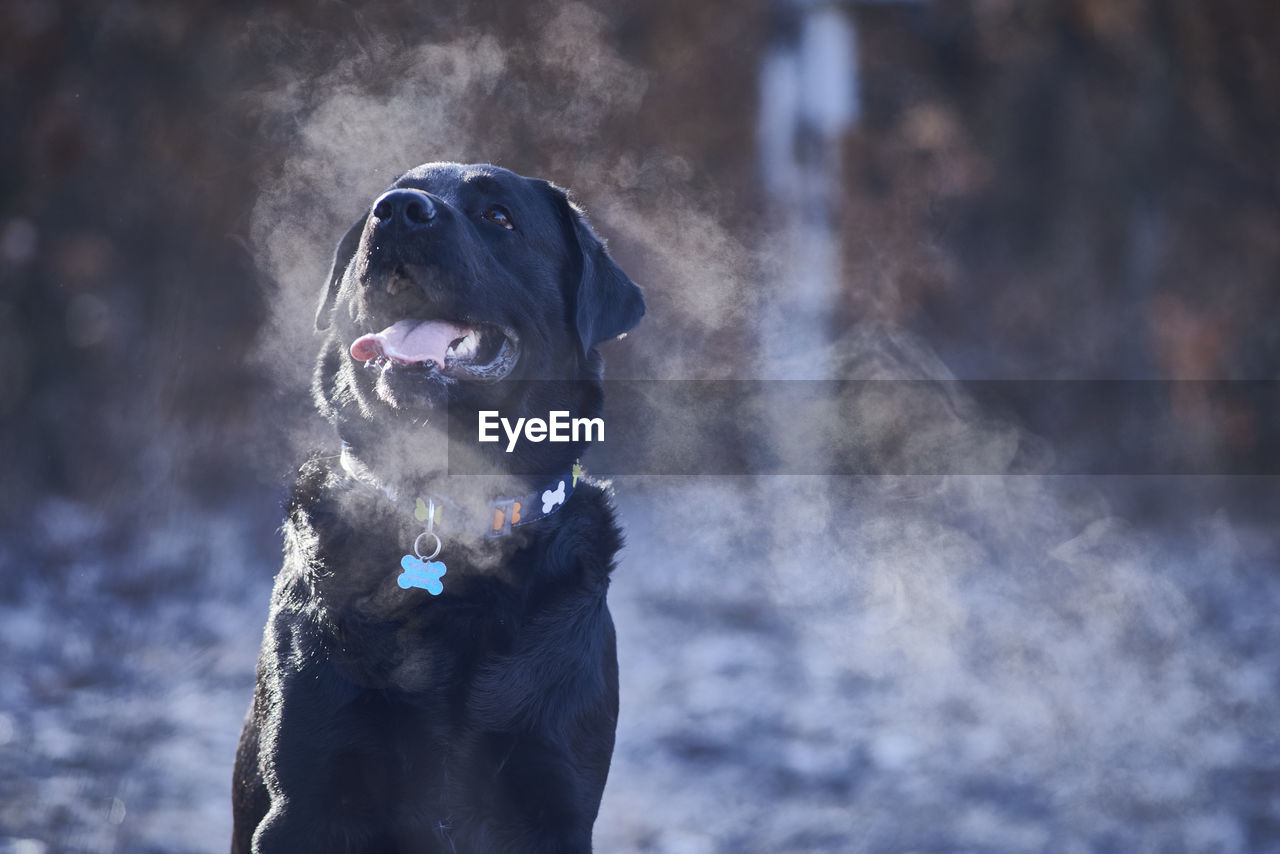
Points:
[(479, 353)]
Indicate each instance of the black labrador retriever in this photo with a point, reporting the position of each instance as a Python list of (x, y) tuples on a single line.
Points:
[(438, 672)]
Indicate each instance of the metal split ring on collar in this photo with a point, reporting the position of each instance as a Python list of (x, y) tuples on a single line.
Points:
[(418, 551)]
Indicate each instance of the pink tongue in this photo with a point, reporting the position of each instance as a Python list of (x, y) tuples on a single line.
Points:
[(409, 341)]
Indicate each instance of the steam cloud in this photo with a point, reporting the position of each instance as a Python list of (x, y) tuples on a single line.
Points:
[(995, 662)]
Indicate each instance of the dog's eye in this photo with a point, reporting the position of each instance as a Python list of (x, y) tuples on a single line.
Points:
[(498, 215)]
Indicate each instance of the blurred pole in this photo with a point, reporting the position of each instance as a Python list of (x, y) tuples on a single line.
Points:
[(808, 101)]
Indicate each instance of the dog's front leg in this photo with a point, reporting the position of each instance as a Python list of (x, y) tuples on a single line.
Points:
[(311, 737), (549, 805)]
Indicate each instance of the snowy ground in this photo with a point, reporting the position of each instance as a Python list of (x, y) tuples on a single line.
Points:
[(808, 665)]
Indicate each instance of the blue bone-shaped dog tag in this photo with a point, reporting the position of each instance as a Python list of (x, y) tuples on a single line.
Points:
[(421, 573)]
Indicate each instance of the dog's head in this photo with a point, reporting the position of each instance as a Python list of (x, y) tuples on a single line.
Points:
[(459, 283)]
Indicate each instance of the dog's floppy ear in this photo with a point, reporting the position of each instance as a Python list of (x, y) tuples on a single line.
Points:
[(342, 256), (606, 303)]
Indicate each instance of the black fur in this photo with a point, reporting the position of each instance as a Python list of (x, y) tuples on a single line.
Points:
[(481, 720)]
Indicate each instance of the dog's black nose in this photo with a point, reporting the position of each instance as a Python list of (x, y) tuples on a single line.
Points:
[(409, 208)]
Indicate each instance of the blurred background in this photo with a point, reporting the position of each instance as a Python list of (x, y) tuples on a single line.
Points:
[(982, 189)]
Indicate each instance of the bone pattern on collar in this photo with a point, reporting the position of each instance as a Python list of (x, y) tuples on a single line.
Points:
[(504, 513)]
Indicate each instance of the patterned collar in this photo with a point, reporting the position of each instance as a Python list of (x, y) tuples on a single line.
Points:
[(498, 517)]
